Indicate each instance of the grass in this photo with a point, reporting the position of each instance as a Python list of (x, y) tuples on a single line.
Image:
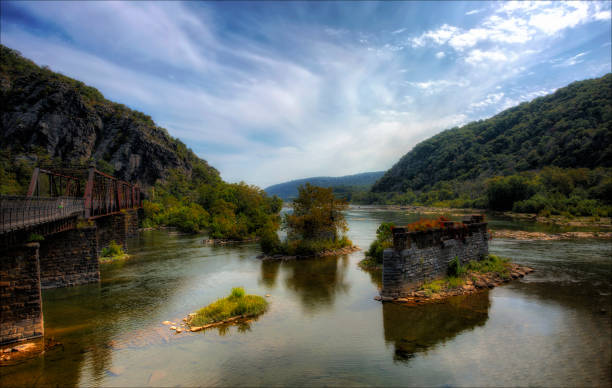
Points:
[(490, 264), (113, 250), (369, 263), (235, 304)]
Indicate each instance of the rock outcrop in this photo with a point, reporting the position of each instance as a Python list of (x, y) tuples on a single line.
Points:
[(46, 115)]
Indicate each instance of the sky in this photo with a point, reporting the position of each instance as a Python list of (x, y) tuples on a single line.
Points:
[(273, 91)]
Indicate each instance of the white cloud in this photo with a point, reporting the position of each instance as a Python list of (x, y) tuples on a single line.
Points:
[(478, 56), (553, 20), (491, 99), (436, 86), (346, 102), (439, 36), (515, 23), (571, 61), (473, 12)]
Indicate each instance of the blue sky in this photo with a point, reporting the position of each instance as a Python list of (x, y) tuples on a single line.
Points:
[(272, 91)]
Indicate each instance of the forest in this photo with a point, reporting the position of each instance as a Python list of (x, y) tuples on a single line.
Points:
[(552, 155)]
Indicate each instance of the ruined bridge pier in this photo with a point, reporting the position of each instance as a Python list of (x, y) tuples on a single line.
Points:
[(67, 256)]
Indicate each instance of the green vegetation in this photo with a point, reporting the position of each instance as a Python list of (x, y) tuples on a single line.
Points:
[(234, 211), (113, 250), (27, 87), (316, 224), (191, 197), (458, 274), (384, 239), (552, 190), (568, 129), (236, 304), (552, 155), (455, 268), (492, 263), (35, 237)]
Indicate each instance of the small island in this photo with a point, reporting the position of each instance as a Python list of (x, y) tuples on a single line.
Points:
[(236, 306), (432, 259), (473, 277), (315, 228)]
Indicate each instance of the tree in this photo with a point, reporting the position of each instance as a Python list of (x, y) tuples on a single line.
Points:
[(317, 215)]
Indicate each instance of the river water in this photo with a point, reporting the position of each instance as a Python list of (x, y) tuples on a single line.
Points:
[(323, 326)]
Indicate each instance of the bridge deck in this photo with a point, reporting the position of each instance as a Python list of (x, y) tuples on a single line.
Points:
[(21, 212)]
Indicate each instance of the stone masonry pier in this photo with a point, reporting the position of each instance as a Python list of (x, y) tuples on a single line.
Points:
[(420, 256), (63, 259)]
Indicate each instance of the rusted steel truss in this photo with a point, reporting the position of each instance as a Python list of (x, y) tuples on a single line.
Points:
[(62, 193), (105, 194)]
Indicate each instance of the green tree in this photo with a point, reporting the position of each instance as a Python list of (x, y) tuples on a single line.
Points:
[(317, 214)]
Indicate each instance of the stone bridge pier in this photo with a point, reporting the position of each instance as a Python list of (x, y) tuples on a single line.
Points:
[(64, 259)]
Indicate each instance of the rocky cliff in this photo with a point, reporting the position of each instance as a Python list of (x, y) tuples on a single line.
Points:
[(46, 115)]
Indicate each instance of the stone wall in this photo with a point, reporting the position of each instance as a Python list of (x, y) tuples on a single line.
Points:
[(20, 299), (111, 228), (117, 227), (422, 256), (132, 222), (69, 258)]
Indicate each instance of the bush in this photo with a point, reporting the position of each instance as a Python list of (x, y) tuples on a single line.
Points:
[(237, 292), (455, 269), (112, 250), (237, 303), (384, 239), (491, 263)]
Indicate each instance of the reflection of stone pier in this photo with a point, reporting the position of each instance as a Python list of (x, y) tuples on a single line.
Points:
[(416, 329), (420, 256)]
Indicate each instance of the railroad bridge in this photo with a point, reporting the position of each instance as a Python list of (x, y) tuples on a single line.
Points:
[(52, 237)]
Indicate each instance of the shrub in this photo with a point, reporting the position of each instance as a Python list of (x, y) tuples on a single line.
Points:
[(112, 250), (237, 292), (237, 303), (491, 263), (455, 268), (33, 237)]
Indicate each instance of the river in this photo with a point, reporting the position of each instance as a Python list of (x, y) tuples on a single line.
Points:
[(323, 326)]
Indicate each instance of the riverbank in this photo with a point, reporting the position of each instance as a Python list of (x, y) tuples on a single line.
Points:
[(599, 222), (324, 253), (224, 241), (559, 220), (440, 290), (524, 235)]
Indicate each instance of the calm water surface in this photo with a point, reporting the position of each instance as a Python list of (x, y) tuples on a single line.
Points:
[(323, 326)]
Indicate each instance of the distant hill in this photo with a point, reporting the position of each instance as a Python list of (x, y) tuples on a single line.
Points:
[(48, 117), (570, 128), (288, 190)]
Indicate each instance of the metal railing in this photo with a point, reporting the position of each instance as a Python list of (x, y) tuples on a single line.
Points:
[(21, 212)]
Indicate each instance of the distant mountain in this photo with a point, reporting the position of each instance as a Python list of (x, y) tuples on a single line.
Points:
[(288, 190), (570, 128), (49, 117)]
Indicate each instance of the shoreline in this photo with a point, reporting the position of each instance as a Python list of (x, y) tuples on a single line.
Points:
[(327, 252), (223, 241), (582, 221), (541, 236), (479, 283)]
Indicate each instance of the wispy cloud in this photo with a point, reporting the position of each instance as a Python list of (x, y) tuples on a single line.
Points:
[(272, 91)]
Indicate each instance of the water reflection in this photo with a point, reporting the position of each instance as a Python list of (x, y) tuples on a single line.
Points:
[(416, 329), (316, 282), (269, 272)]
